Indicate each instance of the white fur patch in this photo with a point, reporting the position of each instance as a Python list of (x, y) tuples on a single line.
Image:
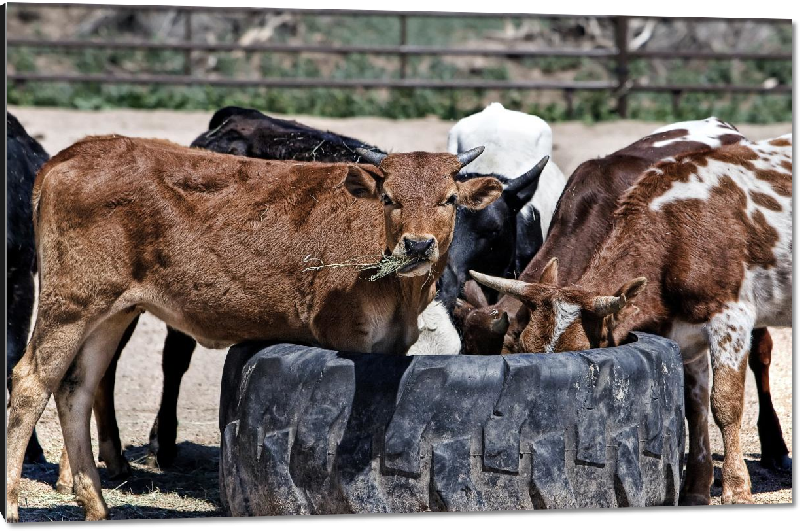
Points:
[(729, 335), (706, 177), (705, 131), (566, 313), (437, 335)]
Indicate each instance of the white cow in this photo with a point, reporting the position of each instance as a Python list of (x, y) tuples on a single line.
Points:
[(514, 142)]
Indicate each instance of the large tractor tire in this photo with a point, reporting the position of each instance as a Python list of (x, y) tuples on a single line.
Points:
[(312, 431)]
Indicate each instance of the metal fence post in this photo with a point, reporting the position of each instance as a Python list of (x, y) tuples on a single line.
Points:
[(621, 41), (403, 42), (569, 97), (187, 38), (676, 103)]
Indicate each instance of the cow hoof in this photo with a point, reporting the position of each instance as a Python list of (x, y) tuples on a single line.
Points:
[(163, 458), (167, 455), (64, 488), (694, 499), (729, 498), (781, 463), (12, 516), (121, 471)]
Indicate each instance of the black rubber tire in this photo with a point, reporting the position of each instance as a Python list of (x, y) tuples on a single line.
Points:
[(313, 431)]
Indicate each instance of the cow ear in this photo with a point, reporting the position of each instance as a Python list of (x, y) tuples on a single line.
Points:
[(362, 183), (474, 294), (460, 312), (550, 273), (477, 194)]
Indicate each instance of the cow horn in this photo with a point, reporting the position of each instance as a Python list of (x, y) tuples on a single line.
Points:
[(373, 157), (528, 177), (503, 285), (607, 305), (468, 156)]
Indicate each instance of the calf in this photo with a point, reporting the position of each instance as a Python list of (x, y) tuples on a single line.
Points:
[(24, 157), (514, 143), (703, 244), (244, 132), (152, 227), (583, 220)]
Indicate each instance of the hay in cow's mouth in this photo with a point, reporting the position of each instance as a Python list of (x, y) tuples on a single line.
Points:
[(386, 265)]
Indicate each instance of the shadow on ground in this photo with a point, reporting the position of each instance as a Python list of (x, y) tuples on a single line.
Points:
[(187, 489), (762, 479)]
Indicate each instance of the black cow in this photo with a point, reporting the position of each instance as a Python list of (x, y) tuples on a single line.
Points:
[(249, 133), (24, 156), (493, 238)]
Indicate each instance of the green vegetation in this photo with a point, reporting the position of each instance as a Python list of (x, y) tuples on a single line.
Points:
[(588, 106)]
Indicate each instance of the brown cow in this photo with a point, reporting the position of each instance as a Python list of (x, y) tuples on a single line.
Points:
[(218, 247), (703, 244)]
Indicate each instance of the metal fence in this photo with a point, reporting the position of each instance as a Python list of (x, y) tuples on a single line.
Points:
[(621, 86)]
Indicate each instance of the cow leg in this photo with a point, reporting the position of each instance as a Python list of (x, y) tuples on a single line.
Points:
[(699, 466), (107, 430), (729, 341), (774, 454), (178, 349), (64, 481), (105, 414), (35, 378), (21, 294), (74, 399)]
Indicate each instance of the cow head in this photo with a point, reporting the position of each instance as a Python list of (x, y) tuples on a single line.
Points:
[(562, 319), (483, 327), (486, 240), (419, 193), (231, 130)]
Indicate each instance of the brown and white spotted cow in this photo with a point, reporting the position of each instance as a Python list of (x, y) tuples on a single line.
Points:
[(583, 221), (703, 243)]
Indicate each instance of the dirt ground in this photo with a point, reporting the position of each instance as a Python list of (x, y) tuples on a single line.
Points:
[(190, 488)]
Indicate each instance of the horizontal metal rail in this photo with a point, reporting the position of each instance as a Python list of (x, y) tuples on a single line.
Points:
[(407, 49), (311, 82), (384, 83), (392, 50), (382, 13)]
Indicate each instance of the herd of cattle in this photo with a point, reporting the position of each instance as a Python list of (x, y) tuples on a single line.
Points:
[(266, 229)]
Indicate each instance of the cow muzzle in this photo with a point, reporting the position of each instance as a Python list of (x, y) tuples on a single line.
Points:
[(420, 251)]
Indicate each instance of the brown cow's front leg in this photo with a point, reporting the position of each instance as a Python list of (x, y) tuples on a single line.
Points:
[(699, 466), (178, 349), (729, 340), (774, 454)]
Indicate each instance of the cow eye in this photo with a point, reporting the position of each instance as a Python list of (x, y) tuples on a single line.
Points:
[(387, 200), (451, 200)]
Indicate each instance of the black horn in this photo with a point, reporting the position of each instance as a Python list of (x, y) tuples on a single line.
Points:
[(373, 157), (468, 156), (529, 177)]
